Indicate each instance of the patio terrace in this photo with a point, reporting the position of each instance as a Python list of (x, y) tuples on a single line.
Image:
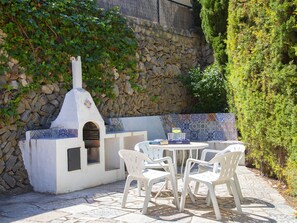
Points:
[(261, 203)]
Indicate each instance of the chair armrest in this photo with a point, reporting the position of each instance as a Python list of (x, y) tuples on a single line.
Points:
[(202, 162), (207, 151), (170, 164), (162, 160), (191, 161), (166, 158)]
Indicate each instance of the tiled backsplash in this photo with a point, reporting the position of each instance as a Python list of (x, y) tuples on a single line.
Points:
[(198, 127), (53, 133), (203, 127)]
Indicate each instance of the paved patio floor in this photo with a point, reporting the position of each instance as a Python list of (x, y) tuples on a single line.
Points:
[(261, 203)]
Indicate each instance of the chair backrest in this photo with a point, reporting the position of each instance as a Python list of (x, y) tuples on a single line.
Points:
[(134, 161), (234, 147), (228, 164), (154, 153)]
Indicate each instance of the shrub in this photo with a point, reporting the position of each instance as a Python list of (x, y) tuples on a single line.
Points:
[(208, 87)]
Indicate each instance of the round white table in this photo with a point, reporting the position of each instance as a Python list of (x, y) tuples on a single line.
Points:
[(181, 147), (174, 148)]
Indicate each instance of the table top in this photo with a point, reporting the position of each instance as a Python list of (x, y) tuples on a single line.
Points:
[(192, 145), (225, 141)]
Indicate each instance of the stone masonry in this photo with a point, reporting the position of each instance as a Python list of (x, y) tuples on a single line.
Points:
[(163, 56)]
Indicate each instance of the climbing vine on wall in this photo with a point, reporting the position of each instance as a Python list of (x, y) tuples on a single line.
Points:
[(42, 35)]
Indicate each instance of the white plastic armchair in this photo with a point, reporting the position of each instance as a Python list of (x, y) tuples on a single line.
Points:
[(153, 154), (207, 154), (135, 163), (228, 163)]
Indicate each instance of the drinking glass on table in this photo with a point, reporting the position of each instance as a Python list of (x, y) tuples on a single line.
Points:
[(176, 130)]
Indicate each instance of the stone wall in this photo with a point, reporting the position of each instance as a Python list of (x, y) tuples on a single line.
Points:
[(36, 110), (163, 55)]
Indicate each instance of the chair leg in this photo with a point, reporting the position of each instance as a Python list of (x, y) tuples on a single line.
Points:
[(160, 190), (229, 188), (237, 185), (148, 190), (197, 184), (184, 194), (166, 181), (192, 197), (214, 202), (139, 185), (235, 195), (126, 190), (208, 199), (196, 188), (175, 193), (166, 184)]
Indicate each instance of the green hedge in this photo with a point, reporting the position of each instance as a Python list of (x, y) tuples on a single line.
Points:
[(262, 53)]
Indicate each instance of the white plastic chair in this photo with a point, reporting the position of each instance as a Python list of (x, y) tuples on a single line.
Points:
[(228, 163), (135, 163), (210, 153), (153, 154)]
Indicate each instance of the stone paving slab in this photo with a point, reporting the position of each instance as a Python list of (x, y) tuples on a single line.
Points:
[(261, 203)]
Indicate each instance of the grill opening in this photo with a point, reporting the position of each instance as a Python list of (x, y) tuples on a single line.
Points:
[(91, 138)]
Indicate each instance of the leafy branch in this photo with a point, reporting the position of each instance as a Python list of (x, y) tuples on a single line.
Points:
[(43, 35)]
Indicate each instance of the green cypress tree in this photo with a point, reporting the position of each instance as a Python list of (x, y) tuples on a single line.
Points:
[(214, 14)]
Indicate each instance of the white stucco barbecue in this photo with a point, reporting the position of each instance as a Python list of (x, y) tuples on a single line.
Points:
[(76, 152)]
